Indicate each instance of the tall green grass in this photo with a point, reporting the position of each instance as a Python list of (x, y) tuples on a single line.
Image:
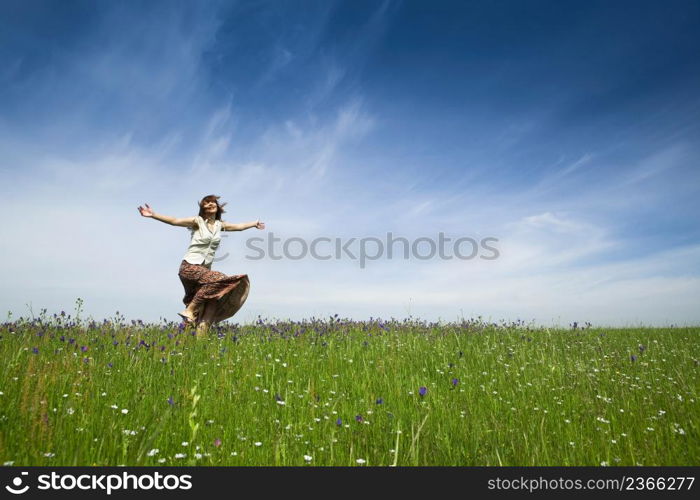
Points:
[(337, 392)]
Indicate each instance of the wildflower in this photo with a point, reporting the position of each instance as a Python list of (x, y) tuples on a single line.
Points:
[(171, 401), (84, 348), (361, 461), (339, 422), (308, 458), (217, 442), (185, 443), (257, 443), (70, 411), (161, 460), (180, 455), (455, 381), (125, 411), (35, 350), (380, 401), (153, 452), (633, 358), (422, 391), (358, 418)]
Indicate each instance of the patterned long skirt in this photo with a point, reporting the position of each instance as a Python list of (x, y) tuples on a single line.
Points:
[(204, 286)]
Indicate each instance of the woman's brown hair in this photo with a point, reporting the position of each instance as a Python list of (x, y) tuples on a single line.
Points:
[(219, 206)]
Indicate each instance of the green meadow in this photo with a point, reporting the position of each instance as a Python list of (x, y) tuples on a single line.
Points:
[(338, 392)]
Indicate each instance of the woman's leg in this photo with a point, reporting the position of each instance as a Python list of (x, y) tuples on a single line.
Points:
[(207, 318), (190, 276)]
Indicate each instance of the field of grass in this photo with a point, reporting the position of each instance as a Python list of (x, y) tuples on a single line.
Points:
[(338, 392)]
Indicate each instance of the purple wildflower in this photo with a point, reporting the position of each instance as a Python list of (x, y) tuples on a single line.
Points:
[(380, 401), (278, 397), (171, 401), (339, 422), (71, 341), (359, 418), (422, 391), (109, 365), (35, 350), (633, 358), (642, 348), (217, 442), (455, 381), (84, 348), (86, 360)]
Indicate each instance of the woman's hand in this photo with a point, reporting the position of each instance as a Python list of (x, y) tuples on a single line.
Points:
[(146, 212), (259, 225)]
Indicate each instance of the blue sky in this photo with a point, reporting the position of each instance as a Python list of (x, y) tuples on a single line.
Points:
[(568, 130)]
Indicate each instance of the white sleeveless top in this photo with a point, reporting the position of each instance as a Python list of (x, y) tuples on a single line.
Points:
[(203, 242)]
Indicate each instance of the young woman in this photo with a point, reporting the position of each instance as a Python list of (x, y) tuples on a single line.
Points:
[(210, 296)]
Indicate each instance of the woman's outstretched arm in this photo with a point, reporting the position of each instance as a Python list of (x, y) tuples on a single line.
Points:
[(148, 212), (242, 227)]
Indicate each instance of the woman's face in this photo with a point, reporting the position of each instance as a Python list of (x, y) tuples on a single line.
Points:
[(210, 206)]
